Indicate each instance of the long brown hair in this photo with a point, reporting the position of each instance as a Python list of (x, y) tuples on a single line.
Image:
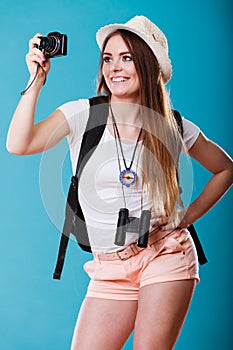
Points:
[(162, 140)]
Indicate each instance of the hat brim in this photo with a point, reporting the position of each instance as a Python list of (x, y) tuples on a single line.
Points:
[(160, 53)]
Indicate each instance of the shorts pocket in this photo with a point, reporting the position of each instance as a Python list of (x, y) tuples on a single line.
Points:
[(172, 243), (181, 236)]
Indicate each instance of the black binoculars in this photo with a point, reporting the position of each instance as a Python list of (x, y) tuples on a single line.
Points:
[(133, 224)]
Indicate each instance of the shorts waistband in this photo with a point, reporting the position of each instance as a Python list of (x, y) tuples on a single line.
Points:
[(132, 249)]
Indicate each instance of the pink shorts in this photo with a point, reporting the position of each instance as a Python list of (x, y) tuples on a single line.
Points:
[(170, 259)]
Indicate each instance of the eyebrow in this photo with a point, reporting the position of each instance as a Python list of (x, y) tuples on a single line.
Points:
[(121, 54)]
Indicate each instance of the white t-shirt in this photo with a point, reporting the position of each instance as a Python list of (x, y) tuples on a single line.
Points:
[(100, 191)]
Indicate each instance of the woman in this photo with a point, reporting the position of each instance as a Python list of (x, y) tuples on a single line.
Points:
[(145, 289)]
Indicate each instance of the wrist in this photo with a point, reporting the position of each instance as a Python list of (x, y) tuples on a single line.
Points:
[(34, 85), (186, 218)]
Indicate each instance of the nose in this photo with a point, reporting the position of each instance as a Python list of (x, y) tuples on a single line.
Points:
[(116, 66)]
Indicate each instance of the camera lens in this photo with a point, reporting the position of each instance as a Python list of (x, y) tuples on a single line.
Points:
[(50, 45)]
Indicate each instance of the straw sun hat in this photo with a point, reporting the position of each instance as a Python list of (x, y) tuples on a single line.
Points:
[(150, 33)]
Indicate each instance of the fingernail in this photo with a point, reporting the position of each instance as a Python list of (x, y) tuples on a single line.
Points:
[(43, 64), (160, 228), (44, 58)]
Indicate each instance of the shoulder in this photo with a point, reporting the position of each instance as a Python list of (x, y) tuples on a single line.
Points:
[(190, 132), (73, 107), (76, 114)]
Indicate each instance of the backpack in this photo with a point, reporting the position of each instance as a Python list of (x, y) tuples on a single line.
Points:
[(74, 219)]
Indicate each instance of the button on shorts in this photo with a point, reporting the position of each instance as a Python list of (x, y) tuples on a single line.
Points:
[(172, 258)]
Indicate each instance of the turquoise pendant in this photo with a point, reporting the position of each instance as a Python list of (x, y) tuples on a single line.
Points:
[(128, 177)]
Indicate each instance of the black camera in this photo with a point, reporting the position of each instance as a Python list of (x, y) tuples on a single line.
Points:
[(133, 224), (53, 45)]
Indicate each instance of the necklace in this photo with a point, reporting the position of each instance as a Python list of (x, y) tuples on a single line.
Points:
[(127, 176)]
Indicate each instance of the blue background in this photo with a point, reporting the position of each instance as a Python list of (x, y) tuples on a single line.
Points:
[(37, 312)]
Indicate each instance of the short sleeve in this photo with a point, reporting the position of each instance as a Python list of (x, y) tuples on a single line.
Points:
[(76, 114), (191, 133)]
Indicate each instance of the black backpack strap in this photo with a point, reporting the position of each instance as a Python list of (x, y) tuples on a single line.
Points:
[(178, 119), (74, 218), (94, 130), (200, 252)]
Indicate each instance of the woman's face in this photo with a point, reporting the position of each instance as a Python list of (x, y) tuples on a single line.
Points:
[(119, 71)]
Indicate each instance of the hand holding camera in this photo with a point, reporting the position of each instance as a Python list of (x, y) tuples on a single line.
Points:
[(41, 49), (35, 56)]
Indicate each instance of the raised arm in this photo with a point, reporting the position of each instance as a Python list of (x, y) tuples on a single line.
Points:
[(24, 136)]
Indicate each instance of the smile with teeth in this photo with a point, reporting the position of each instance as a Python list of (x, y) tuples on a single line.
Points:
[(118, 79)]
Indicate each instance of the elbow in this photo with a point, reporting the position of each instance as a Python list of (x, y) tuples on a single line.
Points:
[(15, 149), (231, 172)]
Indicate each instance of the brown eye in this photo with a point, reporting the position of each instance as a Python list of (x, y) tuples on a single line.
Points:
[(127, 58), (106, 59)]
